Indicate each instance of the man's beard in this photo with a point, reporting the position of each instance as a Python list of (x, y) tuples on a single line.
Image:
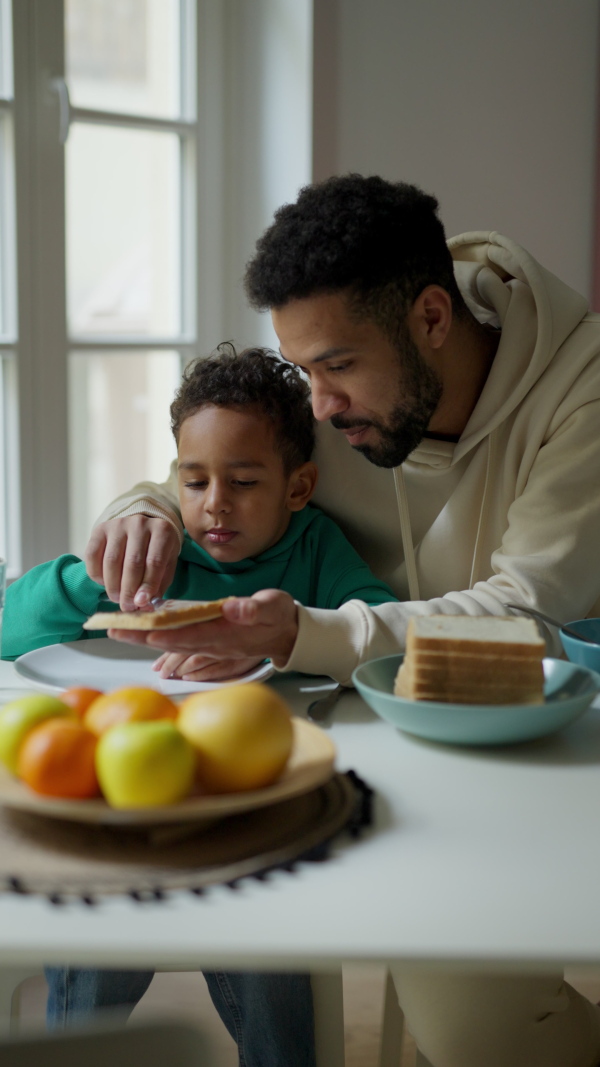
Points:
[(409, 419)]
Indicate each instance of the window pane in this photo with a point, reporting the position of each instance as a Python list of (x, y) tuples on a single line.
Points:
[(6, 72), (123, 231), (124, 55), (119, 428)]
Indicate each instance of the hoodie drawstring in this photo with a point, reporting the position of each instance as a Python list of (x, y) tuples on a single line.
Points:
[(406, 533), (483, 511)]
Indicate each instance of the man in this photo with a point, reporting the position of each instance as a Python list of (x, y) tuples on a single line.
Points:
[(473, 389)]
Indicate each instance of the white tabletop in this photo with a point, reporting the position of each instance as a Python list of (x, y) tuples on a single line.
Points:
[(476, 856)]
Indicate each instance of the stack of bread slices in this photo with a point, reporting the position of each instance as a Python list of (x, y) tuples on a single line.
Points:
[(472, 660)]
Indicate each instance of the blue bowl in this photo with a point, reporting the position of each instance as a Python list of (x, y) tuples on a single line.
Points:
[(568, 691), (580, 651)]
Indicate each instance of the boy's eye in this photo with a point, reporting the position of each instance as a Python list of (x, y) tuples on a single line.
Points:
[(195, 485), (339, 367), (244, 485)]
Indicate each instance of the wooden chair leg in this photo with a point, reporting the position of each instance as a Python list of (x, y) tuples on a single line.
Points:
[(328, 1003), (392, 1027), (11, 980)]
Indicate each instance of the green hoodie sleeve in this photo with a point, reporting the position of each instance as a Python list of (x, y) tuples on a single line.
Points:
[(48, 606), (341, 573)]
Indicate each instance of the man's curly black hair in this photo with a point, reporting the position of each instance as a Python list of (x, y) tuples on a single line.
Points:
[(381, 241), (254, 378)]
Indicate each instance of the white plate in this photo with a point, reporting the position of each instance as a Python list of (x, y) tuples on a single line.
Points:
[(102, 663)]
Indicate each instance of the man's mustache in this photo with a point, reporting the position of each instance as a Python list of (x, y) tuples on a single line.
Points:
[(340, 423)]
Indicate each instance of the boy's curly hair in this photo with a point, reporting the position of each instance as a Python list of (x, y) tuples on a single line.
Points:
[(255, 378), (380, 241)]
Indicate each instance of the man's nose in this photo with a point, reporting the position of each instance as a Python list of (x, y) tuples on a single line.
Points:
[(327, 402)]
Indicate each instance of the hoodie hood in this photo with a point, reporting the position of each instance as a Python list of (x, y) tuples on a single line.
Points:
[(504, 286)]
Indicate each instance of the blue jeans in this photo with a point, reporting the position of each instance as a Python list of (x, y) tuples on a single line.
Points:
[(269, 1016)]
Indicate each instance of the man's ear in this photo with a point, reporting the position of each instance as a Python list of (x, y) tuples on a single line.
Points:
[(301, 486), (430, 317)]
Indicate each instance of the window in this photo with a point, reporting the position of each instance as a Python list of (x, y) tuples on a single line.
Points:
[(144, 145), (130, 186), (105, 118)]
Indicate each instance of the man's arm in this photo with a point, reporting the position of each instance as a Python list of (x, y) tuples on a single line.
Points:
[(548, 559), (134, 546)]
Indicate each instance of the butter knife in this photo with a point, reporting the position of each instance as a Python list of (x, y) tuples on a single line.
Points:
[(320, 710)]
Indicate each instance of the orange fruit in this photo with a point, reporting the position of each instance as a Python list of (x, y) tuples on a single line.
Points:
[(79, 697), (57, 759), (242, 734), (131, 704)]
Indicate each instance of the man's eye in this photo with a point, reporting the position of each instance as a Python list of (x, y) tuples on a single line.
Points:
[(338, 367)]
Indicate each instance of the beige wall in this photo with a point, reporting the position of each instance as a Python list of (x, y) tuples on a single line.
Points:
[(491, 106)]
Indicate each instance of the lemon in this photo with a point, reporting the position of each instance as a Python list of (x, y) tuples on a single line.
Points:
[(242, 735)]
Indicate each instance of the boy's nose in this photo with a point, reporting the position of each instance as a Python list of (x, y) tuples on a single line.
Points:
[(216, 500)]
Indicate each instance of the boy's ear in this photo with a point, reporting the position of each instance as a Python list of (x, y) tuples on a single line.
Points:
[(301, 486)]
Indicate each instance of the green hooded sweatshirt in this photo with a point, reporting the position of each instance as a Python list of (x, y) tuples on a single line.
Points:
[(313, 562)]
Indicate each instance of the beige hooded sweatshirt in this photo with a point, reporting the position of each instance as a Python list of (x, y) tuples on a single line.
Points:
[(510, 513)]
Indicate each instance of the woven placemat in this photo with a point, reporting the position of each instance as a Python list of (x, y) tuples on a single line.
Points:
[(66, 860)]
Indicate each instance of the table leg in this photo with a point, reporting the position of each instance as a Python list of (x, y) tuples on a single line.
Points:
[(327, 991), (10, 983), (392, 1027)]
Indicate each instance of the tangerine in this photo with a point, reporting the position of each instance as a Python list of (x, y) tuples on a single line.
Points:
[(130, 704), (79, 697), (57, 759)]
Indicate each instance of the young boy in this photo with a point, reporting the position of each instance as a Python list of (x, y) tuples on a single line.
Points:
[(245, 434)]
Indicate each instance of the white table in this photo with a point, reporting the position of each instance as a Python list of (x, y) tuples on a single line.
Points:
[(482, 858), (476, 857)]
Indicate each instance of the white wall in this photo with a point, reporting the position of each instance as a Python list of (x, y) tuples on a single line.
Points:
[(269, 90), (490, 106)]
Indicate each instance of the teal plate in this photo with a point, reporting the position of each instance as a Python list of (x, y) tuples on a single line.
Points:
[(568, 690)]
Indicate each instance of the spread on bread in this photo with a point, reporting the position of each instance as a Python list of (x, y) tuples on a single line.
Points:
[(463, 659), (169, 615)]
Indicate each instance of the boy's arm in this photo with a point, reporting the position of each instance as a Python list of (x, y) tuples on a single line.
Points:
[(134, 546), (342, 574), (48, 606)]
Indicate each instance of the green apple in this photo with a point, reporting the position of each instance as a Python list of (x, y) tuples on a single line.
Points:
[(144, 764), (19, 717)]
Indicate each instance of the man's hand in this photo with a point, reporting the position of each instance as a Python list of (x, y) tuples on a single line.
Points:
[(134, 558), (199, 668), (258, 627)]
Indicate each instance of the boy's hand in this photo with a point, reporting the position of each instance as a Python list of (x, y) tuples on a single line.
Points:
[(134, 558), (199, 668), (261, 626)]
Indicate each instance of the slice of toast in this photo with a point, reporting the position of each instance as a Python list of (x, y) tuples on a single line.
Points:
[(487, 634), (171, 615)]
